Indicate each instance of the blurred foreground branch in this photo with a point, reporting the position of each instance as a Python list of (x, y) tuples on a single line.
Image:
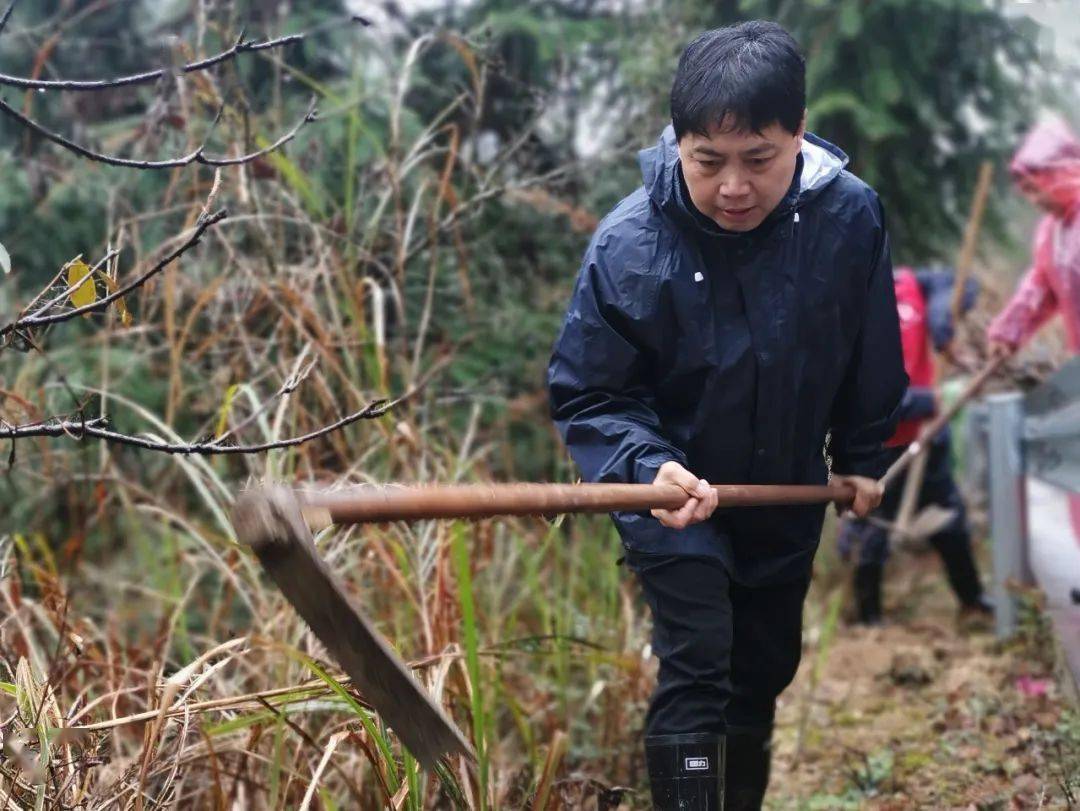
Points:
[(196, 156), (239, 46)]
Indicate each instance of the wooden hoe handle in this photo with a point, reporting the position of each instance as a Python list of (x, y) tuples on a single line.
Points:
[(935, 426), (374, 504)]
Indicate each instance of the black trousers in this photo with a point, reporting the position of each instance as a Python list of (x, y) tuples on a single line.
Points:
[(726, 651), (952, 542)]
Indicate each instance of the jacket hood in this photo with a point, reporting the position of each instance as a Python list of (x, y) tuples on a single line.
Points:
[(1050, 156), (1049, 145), (820, 164)]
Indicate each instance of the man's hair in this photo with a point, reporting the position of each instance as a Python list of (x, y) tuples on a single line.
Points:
[(744, 77)]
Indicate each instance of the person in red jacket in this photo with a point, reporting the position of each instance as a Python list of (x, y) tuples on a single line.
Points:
[(923, 302)]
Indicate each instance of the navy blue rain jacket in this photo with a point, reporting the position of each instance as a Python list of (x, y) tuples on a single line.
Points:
[(733, 354)]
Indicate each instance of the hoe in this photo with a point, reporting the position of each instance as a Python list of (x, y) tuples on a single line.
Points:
[(274, 522)]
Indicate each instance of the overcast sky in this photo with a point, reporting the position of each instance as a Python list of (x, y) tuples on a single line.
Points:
[(1062, 22), (1060, 17)]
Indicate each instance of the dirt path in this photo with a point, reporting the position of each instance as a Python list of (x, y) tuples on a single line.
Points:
[(921, 714)]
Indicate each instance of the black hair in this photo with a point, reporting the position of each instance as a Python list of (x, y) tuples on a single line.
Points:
[(746, 76)]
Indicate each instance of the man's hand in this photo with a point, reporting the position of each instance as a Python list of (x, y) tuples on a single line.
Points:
[(698, 507), (868, 493), (1000, 349), (959, 357)]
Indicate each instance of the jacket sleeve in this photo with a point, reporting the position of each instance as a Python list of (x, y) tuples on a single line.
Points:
[(937, 288), (864, 412), (600, 386), (917, 404), (1034, 301)]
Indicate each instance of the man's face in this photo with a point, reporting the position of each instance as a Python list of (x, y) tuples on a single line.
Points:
[(737, 178)]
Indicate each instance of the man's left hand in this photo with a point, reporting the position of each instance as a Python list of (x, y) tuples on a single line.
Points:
[(868, 493), (959, 357)]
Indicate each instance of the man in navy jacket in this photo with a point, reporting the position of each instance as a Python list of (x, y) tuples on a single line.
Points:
[(729, 316)]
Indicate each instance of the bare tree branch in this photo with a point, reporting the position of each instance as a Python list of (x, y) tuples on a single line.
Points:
[(240, 46), (95, 427), (83, 152), (310, 115), (78, 429), (172, 163), (72, 288), (7, 14), (54, 426), (291, 384), (40, 320)]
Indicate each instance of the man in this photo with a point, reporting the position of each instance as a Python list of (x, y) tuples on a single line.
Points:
[(924, 303), (1046, 168), (728, 315)]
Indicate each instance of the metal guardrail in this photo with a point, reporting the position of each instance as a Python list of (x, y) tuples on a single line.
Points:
[(1031, 446), (1051, 430), (1007, 513)]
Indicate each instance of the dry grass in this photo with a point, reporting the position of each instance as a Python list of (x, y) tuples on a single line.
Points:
[(120, 574), (144, 663)]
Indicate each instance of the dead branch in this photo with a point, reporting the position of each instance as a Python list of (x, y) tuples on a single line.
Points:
[(54, 426), (239, 46), (67, 291), (78, 429), (197, 156), (310, 115), (7, 15), (41, 320)]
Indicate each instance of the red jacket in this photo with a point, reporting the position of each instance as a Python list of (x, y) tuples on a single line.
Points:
[(911, 306)]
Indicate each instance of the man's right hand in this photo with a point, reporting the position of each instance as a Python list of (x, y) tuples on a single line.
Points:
[(699, 506)]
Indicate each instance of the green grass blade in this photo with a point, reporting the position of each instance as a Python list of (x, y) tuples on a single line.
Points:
[(382, 742), (412, 777), (463, 571), (275, 766)]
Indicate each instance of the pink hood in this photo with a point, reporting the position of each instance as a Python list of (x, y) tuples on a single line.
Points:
[(1050, 158)]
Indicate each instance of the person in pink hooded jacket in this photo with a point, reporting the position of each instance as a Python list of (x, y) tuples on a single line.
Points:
[(1046, 169)]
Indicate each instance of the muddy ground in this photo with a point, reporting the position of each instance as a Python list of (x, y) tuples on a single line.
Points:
[(927, 711)]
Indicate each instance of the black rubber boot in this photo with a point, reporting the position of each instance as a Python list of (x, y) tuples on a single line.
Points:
[(686, 772), (868, 593), (749, 756), (982, 607), (963, 577)]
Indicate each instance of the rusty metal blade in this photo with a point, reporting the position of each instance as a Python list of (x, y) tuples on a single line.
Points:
[(926, 523), (271, 522)]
